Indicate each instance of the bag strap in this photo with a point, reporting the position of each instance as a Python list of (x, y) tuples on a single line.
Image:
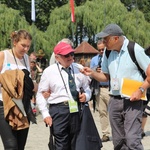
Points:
[(107, 53), (132, 55)]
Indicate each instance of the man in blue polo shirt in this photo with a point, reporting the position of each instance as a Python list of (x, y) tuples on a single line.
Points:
[(101, 92), (125, 113)]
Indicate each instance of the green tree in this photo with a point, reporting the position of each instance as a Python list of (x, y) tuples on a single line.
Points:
[(91, 17), (43, 10), (94, 15), (10, 21), (143, 6)]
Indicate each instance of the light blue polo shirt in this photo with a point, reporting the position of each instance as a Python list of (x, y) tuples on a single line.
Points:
[(94, 65), (120, 65), (94, 61)]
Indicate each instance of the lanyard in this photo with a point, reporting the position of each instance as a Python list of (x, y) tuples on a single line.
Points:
[(63, 78), (16, 61), (117, 62)]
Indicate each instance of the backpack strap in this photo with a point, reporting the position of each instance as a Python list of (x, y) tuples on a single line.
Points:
[(132, 55), (147, 51), (107, 53)]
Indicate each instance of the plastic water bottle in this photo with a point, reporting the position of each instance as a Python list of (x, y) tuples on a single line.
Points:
[(8, 66)]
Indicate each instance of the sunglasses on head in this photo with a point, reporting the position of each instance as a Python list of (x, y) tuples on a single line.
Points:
[(70, 54)]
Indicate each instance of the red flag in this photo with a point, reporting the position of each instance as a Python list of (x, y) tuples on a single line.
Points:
[(72, 10)]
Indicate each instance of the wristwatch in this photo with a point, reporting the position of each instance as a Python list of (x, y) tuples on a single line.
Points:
[(142, 89)]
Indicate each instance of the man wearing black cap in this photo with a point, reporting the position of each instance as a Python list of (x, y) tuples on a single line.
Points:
[(64, 80), (125, 113)]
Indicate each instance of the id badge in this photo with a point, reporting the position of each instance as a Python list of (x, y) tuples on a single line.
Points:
[(73, 106), (115, 84)]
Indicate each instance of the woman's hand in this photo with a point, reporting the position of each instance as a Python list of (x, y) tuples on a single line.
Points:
[(46, 94)]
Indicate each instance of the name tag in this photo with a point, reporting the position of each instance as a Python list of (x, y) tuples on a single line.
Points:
[(73, 106), (115, 84)]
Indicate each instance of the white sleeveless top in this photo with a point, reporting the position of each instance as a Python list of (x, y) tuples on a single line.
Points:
[(9, 63)]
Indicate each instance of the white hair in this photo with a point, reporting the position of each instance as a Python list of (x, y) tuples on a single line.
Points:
[(66, 40)]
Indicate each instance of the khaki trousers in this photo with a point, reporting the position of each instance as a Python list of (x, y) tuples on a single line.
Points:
[(102, 102)]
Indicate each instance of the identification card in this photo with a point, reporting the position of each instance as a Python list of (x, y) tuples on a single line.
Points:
[(73, 106), (115, 84)]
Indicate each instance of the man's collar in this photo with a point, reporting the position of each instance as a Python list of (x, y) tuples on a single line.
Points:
[(125, 44)]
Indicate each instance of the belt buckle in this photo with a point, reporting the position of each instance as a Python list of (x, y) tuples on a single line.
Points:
[(65, 102)]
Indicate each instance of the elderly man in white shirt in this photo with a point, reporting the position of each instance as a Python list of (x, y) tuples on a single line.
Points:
[(63, 112)]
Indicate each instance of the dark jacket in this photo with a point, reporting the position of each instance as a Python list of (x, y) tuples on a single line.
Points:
[(88, 137), (27, 96)]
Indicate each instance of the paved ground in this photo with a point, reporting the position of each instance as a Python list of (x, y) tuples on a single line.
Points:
[(39, 134), (109, 146)]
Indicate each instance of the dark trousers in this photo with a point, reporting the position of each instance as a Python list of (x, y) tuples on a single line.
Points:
[(125, 119), (65, 127), (12, 139)]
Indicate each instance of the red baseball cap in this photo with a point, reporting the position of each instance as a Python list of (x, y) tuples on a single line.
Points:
[(63, 48)]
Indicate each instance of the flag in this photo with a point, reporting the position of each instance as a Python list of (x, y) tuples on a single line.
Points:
[(33, 10), (72, 10)]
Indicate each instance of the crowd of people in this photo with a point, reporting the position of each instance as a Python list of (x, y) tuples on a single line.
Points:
[(63, 89), (37, 64)]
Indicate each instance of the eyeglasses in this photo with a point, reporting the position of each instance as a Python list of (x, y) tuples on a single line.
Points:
[(70, 54), (102, 49), (107, 39)]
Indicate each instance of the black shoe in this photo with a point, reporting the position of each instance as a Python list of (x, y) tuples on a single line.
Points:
[(143, 134), (105, 138)]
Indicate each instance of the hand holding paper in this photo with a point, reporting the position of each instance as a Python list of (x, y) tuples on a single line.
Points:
[(129, 86)]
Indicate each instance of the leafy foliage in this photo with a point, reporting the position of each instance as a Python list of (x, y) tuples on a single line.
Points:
[(53, 21), (43, 10), (10, 21), (142, 5)]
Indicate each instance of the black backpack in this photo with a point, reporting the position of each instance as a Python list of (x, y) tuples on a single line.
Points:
[(132, 55)]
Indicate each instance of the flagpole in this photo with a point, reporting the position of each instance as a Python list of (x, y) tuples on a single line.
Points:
[(33, 22), (33, 34)]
